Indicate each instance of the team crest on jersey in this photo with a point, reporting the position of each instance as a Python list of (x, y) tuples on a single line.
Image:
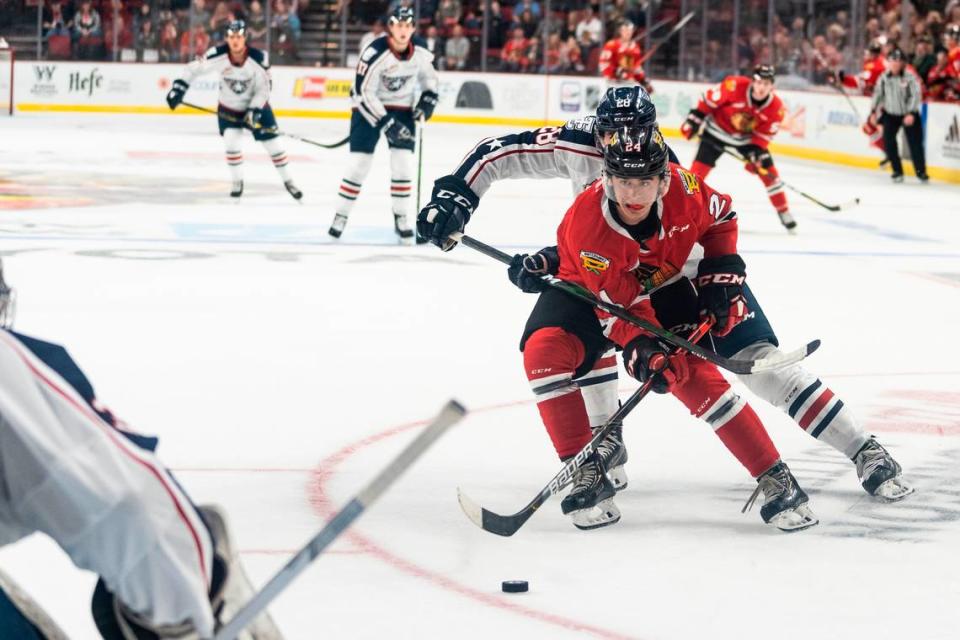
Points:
[(395, 83), (652, 277), (239, 87), (743, 122), (690, 182), (594, 262)]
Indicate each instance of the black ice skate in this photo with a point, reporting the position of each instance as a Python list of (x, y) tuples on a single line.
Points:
[(613, 455), (236, 189), (784, 502), (292, 190), (879, 473), (590, 501), (787, 221), (401, 227), (339, 222)]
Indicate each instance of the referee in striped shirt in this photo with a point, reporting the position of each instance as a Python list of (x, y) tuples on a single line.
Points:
[(896, 98)]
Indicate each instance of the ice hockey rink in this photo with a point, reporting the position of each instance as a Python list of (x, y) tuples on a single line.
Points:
[(282, 371)]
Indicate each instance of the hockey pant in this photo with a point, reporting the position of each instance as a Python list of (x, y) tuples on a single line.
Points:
[(232, 142), (111, 505), (551, 355), (401, 173)]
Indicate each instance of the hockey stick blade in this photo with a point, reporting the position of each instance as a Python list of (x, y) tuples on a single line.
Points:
[(732, 365), (241, 121), (449, 415)]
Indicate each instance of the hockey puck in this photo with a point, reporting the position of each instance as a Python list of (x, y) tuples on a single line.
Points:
[(514, 586)]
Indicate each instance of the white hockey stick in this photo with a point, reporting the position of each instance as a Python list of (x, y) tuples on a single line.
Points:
[(451, 414)]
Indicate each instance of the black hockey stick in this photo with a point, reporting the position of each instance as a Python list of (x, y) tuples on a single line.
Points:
[(762, 171), (740, 367), (227, 116), (451, 414), (508, 525), (676, 29)]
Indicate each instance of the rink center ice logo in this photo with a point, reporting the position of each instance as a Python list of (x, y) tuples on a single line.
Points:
[(594, 262)]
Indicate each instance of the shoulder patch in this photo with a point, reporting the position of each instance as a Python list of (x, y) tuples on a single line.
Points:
[(586, 123), (689, 181), (374, 49), (594, 262), (259, 56), (213, 52)]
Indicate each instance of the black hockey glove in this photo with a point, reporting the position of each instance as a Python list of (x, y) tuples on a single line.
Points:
[(525, 270), (646, 356), (426, 105), (252, 118), (449, 210), (175, 95), (757, 156), (397, 133), (720, 284), (691, 126)]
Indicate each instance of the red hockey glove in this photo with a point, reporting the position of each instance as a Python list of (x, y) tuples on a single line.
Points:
[(691, 126), (646, 356), (720, 284)]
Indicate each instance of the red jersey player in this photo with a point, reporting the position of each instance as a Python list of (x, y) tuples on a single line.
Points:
[(625, 239), (743, 113), (620, 60), (874, 64)]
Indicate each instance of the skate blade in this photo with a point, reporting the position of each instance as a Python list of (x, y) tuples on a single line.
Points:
[(796, 519), (618, 478), (893, 490), (603, 514)]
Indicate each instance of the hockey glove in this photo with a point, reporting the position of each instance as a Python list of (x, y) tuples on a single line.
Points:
[(645, 356), (449, 211), (175, 95), (525, 270), (252, 118), (691, 126), (720, 284), (426, 105), (397, 133)]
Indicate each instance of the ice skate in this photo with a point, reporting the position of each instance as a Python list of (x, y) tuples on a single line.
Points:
[(292, 190), (234, 589), (784, 502), (590, 502), (339, 222), (401, 227), (787, 221), (613, 455), (897, 177), (879, 473), (236, 189)]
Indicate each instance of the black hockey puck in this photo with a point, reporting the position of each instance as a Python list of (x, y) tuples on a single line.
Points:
[(515, 586)]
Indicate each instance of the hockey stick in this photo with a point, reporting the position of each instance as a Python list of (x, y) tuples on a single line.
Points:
[(422, 122), (449, 415), (676, 29), (508, 525), (762, 171), (740, 367), (227, 116)]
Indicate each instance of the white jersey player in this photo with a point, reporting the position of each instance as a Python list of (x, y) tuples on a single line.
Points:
[(390, 72), (71, 470), (243, 104), (567, 153)]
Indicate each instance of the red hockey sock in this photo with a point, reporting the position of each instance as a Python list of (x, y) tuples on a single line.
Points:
[(700, 170), (550, 356), (708, 396)]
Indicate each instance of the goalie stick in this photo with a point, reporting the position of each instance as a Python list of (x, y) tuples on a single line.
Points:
[(449, 415), (508, 525), (331, 145), (762, 171), (734, 365)]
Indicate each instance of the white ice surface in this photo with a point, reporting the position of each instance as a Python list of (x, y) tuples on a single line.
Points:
[(281, 372)]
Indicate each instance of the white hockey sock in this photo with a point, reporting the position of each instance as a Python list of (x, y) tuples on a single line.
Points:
[(810, 403), (232, 142), (278, 156), (352, 182), (400, 183), (599, 389)]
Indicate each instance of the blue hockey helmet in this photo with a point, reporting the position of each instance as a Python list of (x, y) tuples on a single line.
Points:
[(237, 27), (636, 153), (624, 107), (402, 14)]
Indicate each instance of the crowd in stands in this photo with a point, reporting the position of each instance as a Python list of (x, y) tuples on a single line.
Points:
[(163, 30)]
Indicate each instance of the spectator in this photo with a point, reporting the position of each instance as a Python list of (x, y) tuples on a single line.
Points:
[(57, 19), (923, 58), (87, 31), (434, 45), (513, 56), (257, 25), (286, 33), (587, 49), (570, 26), (528, 23), (200, 14), (221, 18), (571, 55), (497, 29), (456, 50), (201, 42), (144, 14), (940, 80), (146, 41), (377, 29), (528, 5), (591, 25), (169, 49), (553, 60), (448, 14)]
